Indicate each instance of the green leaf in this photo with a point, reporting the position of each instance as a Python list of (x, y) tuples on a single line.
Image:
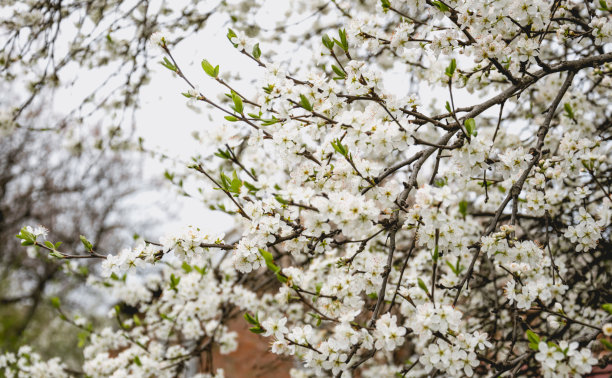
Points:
[(56, 254), (339, 72), (174, 281), (49, 245), (603, 5), (440, 182), (269, 259), (209, 69), (55, 302), (448, 107), (281, 200), (452, 267), (257, 330), (201, 270), (82, 336), (318, 287), (86, 243), (136, 320), (252, 188), (256, 51), (342, 34), (280, 277), (223, 154), (225, 181), (386, 4), (27, 238), (186, 267), (317, 317), (137, 361), (238, 107), (463, 206), (450, 70), (422, 285), (235, 184), (231, 34), (337, 145), (166, 63), (569, 112), (607, 307), (305, 103), (534, 340), (327, 42), (271, 121), (606, 344), (249, 318), (436, 255), (441, 6), (343, 42), (470, 126)]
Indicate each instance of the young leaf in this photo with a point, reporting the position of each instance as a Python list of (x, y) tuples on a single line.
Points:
[(174, 281), (136, 320), (569, 112), (186, 267), (450, 70), (339, 72), (231, 34), (55, 302), (209, 69), (305, 103), (235, 184), (337, 145), (452, 267), (27, 238), (534, 340), (256, 51), (422, 285), (269, 261), (470, 126), (441, 6), (343, 42), (249, 318), (463, 205), (327, 42), (257, 330), (86, 243), (166, 63), (238, 107)]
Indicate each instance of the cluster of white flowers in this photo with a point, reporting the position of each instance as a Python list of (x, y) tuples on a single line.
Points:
[(564, 359), (27, 364)]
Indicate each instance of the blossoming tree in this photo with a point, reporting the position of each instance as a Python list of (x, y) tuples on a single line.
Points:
[(382, 233)]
